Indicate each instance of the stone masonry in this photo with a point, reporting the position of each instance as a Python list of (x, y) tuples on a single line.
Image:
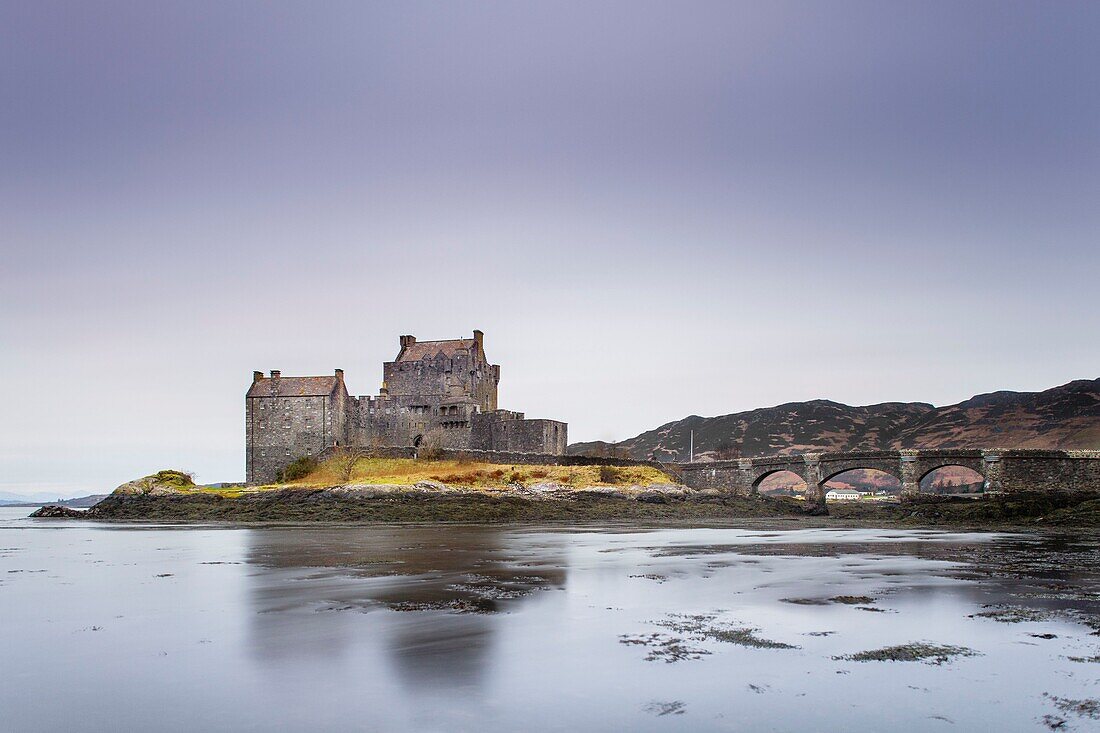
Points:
[(1001, 470), (434, 393)]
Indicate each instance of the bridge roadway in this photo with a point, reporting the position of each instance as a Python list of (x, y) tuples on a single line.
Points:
[(1001, 470)]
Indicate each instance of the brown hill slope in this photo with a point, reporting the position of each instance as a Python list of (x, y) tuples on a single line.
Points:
[(1062, 417)]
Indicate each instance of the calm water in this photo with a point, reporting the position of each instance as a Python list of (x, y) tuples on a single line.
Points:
[(119, 628)]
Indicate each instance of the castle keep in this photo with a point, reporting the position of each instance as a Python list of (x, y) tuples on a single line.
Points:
[(435, 393)]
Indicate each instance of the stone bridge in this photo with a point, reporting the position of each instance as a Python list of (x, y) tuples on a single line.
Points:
[(1001, 470)]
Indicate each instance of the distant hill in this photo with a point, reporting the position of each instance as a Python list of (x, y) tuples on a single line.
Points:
[(1063, 417), (80, 502)]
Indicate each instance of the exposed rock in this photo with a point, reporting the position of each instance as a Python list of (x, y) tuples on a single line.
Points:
[(546, 487), (56, 511), (362, 491), (666, 488), (816, 510), (162, 483)]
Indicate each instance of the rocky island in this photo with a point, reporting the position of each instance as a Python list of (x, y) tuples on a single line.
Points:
[(364, 489)]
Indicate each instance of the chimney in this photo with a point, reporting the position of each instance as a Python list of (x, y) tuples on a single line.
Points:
[(275, 374), (257, 376), (340, 374), (407, 341), (479, 338)]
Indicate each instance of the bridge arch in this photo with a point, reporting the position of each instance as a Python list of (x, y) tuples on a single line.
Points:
[(865, 480), (758, 482), (832, 471), (929, 475)]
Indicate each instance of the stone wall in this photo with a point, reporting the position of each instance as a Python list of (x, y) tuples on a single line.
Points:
[(278, 430), (546, 459), (1040, 470), (511, 458), (511, 432), (390, 420), (463, 376), (1010, 470)]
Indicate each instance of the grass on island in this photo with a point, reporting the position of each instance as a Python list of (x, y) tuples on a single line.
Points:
[(476, 474), (465, 473)]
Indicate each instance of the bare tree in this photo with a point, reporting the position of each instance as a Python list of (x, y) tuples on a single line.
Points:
[(345, 461)]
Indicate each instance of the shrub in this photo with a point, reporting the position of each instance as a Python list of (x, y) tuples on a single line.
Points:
[(299, 469), (174, 478), (610, 474)]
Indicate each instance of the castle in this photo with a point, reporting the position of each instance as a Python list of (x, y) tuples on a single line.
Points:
[(438, 393)]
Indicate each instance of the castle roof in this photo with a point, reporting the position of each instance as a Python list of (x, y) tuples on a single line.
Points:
[(293, 387), (419, 349)]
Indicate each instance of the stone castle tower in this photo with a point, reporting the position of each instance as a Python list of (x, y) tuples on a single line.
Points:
[(439, 393)]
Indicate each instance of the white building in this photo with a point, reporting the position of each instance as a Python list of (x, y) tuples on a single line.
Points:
[(842, 495)]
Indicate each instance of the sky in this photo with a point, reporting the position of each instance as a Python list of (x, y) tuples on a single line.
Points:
[(652, 210)]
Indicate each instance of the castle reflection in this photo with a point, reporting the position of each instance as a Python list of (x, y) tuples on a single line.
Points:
[(425, 595)]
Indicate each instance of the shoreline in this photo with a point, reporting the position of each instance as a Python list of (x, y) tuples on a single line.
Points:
[(341, 506)]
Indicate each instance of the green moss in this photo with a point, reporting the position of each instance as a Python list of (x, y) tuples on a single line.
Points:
[(171, 477)]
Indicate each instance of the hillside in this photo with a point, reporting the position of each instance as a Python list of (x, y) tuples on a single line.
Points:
[(80, 502), (1063, 417)]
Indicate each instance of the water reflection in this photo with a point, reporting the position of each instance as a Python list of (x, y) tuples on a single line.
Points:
[(445, 581), (427, 628)]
